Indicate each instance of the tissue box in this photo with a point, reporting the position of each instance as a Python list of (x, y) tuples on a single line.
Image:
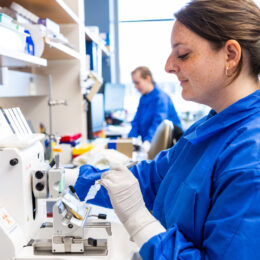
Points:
[(124, 146)]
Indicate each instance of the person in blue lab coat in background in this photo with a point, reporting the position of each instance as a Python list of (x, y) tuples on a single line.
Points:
[(204, 192), (154, 106)]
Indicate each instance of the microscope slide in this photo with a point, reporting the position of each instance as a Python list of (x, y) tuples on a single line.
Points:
[(5, 128)]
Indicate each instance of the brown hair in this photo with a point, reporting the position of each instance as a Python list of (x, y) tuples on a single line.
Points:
[(144, 72), (221, 20)]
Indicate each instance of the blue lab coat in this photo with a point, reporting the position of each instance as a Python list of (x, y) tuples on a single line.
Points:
[(153, 108), (206, 189)]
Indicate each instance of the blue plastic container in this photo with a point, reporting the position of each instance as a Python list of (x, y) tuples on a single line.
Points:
[(29, 48)]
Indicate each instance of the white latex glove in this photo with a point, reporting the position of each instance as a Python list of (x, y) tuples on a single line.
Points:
[(127, 201), (146, 146)]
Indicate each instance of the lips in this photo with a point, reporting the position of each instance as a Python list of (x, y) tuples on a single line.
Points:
[(183, 81)]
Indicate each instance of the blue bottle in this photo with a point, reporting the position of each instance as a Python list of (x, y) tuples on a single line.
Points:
[(29, 48)]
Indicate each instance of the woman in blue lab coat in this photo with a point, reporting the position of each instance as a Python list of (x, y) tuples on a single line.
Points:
[(154, 106), (205, 191)]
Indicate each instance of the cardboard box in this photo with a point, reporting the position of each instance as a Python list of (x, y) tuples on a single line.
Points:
[(96, 84), (124, 146)]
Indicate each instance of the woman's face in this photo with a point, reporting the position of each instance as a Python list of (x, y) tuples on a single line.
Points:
[(199, 68)]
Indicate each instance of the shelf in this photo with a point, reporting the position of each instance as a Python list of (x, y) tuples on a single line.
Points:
[(58, 51), (56, 10), (17, 59), (91, 37)]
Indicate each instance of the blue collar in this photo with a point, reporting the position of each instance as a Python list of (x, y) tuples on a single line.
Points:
[(150, 94), (214, 123)]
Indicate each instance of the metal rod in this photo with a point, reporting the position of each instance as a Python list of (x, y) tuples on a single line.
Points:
[(50, 107)]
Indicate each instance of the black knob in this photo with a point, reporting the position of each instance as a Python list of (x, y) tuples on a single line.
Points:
[(92, 241), (14, 161), (70, 226), (39, 186), (38, 175), (102, 216)]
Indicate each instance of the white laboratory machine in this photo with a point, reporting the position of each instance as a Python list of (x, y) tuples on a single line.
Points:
[(26, 182)]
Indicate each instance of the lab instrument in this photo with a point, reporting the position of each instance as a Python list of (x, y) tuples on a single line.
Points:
[(27, 183)]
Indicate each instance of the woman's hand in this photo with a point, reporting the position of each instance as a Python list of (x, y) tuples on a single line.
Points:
[(127, 201)]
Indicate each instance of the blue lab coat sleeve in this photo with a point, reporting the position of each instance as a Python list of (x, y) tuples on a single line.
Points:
[(231, 227)]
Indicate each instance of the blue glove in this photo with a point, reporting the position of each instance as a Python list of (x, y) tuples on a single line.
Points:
[(88, 174)]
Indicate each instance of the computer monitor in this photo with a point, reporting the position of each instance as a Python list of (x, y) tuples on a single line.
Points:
[(114, 96), (95, 115)]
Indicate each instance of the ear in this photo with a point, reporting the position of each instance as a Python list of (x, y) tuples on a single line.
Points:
[(233, 53), (148, 77)]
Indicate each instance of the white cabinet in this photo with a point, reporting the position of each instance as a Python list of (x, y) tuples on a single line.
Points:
[(62, 62), (17, 59)]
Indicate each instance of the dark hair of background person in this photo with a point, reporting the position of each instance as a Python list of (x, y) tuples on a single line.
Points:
[(221, 20), (144, 72)]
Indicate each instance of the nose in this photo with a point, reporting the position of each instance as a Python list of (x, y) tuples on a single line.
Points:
[(171, 66)]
